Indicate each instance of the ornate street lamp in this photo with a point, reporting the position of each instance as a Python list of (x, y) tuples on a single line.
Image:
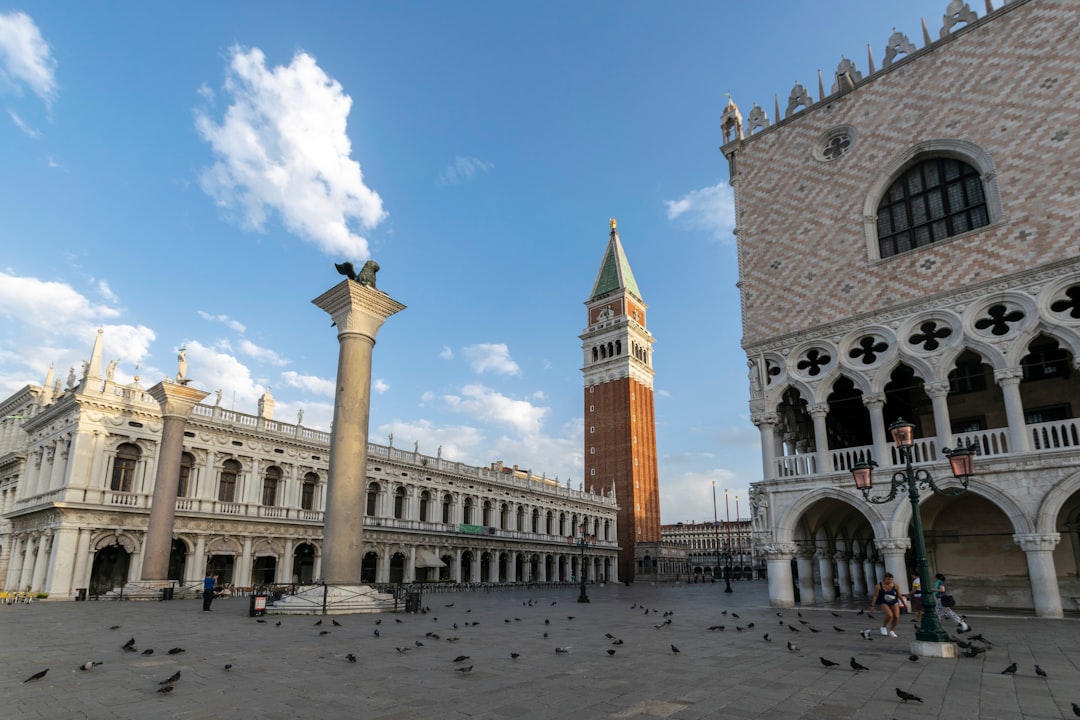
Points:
[(585, 540), (913, 478)]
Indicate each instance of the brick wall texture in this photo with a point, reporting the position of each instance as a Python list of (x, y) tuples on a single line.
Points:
[(1009, 84)]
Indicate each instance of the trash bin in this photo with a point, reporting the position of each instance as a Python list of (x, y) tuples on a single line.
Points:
[(257, 605), (166, 594), (80, 594), (412, 601)]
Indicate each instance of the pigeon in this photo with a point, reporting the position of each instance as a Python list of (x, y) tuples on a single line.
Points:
[(470, 610), (176, 650), (376, 632), (865, 634), (514, 655), (750, 625), (36, 676), (397, 620), (455, 626), (803, 622), (460, 658), (792, 628), (449, 605), (767, 638), (463, 670), (418, 643), (228, 667), (260, 620), (610, 652), (129, 648), (856, 666), (913, 658), (905, 696), (324, 632), (1040, 672), (562, 650), (545, 634), (403, 650), (351, 658), (1011, 670), (569, 617), (792, 646), (838, 629), (1076, 710), (979, 638), (609, 636), (114, 627), (319, 622), (836, 614), (336, 623), (452, 639), (716, 627), (675, 650), (129, 643), (89, 665), (377, 622), (735, 615), (148, 651), (740, 629), (277, 624), (860, 612), (828, 663), (814, 629), (165, 689), (171, 679), (435, 636), (554, 601), (799, 613)]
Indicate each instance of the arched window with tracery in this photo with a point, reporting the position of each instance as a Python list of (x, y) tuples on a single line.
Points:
[(425, 503), (399, 503)]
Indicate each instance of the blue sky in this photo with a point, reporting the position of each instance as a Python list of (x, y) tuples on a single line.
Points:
[(188, 175)]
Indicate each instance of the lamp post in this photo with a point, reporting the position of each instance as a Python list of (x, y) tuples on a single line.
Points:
[(586, 539), (716, 532), (727, 553), (961, 460)]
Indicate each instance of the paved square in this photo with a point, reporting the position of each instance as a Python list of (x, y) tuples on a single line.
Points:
[(300, 670)]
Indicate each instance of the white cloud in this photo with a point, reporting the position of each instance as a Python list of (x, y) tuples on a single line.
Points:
[(463, 169), (25, 58), (210, 368), (487, 405), (262, 354), (52, 162), (225, 319), (459, 443), (380, 386), (490, 356), (711, 209), (21, 124), (282, 146), (309, 383), (106, 291), (447, 353)]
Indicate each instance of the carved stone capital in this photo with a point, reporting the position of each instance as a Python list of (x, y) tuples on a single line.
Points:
[(937, 389), (357, 308), (893, 546), (874, 400), (769, 418), (823, 554), (819, 410), (1008, 376), (841, 556), (1034, 542), (176, 400), (778, 551)]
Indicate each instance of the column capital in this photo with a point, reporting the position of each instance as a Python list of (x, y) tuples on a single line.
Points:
[(876, 400), (779, 551), (1034, 542), (357, 308), (893, 546), (819, 410), (1008, 376), (823, 554), (842, 556), (768, 418), (937, 389), (176, 400)]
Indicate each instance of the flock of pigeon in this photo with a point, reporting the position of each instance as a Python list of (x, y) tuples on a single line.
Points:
[(971, 647)]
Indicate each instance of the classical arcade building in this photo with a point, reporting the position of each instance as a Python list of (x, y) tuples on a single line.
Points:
[(78, 464), (909, 248)]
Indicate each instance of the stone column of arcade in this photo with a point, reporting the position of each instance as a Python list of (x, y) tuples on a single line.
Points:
[(358, 310), (176, 401)]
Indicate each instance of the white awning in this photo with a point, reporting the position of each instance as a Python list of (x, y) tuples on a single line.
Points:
[(426, 558)]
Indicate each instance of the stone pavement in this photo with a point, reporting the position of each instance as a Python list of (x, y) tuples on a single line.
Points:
[(291, 670)]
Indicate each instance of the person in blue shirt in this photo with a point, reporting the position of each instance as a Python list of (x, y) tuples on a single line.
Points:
[(208, 590)]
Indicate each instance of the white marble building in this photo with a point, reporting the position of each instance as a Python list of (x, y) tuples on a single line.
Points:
[(77, 466)]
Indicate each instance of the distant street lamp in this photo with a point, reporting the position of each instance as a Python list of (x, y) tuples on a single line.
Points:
[(727, 553), (961, 461), (585, 540), (716, 532)]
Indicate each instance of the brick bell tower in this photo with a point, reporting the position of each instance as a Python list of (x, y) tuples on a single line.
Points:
[(620, 428)]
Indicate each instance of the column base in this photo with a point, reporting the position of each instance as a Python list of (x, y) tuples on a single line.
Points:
[(334, 600), (924, 648)]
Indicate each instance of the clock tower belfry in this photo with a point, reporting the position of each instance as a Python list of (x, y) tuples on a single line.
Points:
[(620, 427)]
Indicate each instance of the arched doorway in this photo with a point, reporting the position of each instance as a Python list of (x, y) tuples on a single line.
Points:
[(444, 571), (369, 567), (485, 567), (110, 569), (397, 567), (304, 564), (177, 560), (466, 566), (264, 571)]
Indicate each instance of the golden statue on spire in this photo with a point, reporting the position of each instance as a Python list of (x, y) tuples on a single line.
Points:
[(613, 224)]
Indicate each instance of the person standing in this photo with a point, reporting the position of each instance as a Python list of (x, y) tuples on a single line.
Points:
[(916, 598), (943, 603), (209, 582), (887, 598)]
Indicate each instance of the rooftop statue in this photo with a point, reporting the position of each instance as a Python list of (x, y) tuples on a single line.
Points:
[(366, 275)]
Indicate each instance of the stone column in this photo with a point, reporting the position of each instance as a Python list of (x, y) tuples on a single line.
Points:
[(1009, 380), (455, 572), (62, 559), (80, 575), (1039, 549), (870, 577), (825, 569), (197, 566), (541, 570), (858, 580), (843, 575), (15, 562), (778, 560), (176, 403), (938, 393), (766, 425), (804, 559), (358, 312), (41, 562), (474, 566), (875, 404), (894, 549), (285, 571), (244, 565), (410, 565), (821, 438), (30, 546)]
